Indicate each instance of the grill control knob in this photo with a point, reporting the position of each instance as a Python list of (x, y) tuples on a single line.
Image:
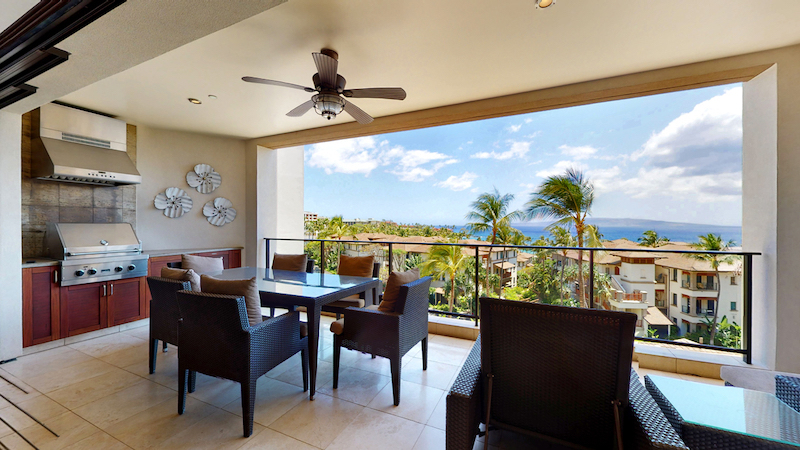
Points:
[(79, 273), (118, 269), (92, 271), (131, 267)]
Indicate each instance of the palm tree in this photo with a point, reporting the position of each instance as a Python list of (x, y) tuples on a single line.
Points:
[(445, 261), (713, 243), (567, 198), (562, 238), (650, 238), (490, 213)]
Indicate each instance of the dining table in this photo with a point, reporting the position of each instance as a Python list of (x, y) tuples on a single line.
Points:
[(287, 289)]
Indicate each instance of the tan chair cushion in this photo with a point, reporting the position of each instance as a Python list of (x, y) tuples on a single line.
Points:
[(243, 288), (295, 263), (182, 275), (392, 291), (202, 264), (356, 266), (337, 327), (353, 300)]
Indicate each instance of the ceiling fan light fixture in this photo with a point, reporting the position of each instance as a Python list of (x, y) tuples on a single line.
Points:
[(328, 105), (544, 3)]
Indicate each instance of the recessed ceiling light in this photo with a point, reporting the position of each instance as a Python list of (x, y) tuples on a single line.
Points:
[(544, 3), (212, 96), (194, 100)]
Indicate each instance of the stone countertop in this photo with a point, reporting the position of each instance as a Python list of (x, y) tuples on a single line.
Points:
[(155, 253), (38, 261)]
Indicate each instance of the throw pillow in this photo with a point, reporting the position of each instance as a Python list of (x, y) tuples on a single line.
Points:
[(202, 264), (392, 292), (294, 263), (356, 266), (241, 288), (182, 275)]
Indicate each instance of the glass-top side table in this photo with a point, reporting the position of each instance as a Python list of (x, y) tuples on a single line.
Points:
[(708, 416)]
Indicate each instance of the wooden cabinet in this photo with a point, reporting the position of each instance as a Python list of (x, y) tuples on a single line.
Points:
[(231, 259), (126, 300), (84, 308), (40, 305), (90, 307)]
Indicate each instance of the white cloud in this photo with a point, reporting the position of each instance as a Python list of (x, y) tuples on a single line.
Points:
[(559, 168), (517, 149), (513, 128), (458, 183), (675, 182), (357, 155), (582, 152), (363, 155), (534, 134), (529, 120)]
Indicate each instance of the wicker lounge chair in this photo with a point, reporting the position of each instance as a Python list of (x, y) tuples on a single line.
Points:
[(560, 374), (387, 334), (215, 339), (787, 389), (164, 314)]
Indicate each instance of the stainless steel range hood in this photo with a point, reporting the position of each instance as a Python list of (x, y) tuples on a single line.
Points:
[(80, 147)]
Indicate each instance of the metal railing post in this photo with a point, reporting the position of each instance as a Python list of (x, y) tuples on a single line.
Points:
[(391, 258), (477, 286), (591, 279), (267, 254), (321, 256), (748, 308)]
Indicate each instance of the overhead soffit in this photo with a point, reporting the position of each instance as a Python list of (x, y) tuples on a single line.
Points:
[(443, 53)]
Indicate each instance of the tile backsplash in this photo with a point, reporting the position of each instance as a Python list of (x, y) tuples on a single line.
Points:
[(52, 201)]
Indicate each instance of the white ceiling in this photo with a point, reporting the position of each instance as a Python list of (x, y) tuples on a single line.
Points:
[(442, 52)]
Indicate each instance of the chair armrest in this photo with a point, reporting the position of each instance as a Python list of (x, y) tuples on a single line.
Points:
[(371, 328), (464, 403), (646, 426), (787, 389), (277, 336)]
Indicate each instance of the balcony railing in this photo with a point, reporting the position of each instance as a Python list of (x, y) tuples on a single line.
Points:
[(385, 253)]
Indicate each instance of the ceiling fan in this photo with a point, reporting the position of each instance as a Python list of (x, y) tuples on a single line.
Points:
[(329, 87)]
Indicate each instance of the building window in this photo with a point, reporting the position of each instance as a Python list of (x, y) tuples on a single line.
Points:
[(733, 306), (675, 299), (733, 280), (674, 274)]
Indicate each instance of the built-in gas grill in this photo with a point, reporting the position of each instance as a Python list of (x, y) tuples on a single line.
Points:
[(94, 252)]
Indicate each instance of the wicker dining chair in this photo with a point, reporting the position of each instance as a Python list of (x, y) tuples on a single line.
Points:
[(164, 314), (387, 334), (357, 301), (560, 374), (216, 339)]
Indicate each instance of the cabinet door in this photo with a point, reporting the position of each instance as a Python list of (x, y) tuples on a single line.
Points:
[(125, 301), (235, 259), (225, 255), (40, 305), (83, 308), (154, 267)]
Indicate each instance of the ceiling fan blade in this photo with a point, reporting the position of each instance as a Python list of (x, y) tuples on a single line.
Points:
[(277, 83), (390, 93), (326, 67), (357, 113), (302, 109)]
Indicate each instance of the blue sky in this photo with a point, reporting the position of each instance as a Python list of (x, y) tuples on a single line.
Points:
[(674, 157)]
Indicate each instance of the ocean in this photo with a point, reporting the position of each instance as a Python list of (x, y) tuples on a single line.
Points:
[(632, 229)]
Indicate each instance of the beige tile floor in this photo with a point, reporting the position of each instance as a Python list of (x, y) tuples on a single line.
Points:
[(97, 394)]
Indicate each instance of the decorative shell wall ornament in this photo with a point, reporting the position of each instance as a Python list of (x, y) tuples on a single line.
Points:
[(204, 178), (174, 202), (219, 211)]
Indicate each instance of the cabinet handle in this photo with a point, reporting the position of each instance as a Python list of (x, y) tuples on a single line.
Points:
[(55, 276), (105, 293), (112, 289)]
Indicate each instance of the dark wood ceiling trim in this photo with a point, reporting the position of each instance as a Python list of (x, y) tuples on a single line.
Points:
[(604, 90)]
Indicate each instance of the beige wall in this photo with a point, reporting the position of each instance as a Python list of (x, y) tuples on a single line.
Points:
[(164, 157), (10, 236)]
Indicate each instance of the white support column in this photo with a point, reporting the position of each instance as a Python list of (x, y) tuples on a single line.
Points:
[(274, 200), (10, 235)]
